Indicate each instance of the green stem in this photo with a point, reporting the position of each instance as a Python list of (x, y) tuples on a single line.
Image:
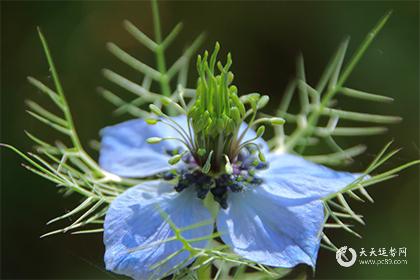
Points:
[(60, 91), (156, 22), (204, 273), (160, 53), (65, 107)]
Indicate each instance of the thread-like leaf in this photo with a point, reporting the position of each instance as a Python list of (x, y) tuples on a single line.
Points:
[(133, 62), (365, 95)]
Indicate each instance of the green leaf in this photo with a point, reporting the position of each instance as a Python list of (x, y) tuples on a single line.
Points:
[(365, 95), (133, 62)]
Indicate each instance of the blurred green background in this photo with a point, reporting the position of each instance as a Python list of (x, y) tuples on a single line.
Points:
[(264, 38)]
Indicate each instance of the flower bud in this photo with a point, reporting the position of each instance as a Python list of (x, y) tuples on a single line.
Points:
[(250, 98), (230, 77), (155, 110), (154, 140), (263, 101), (175, 159), (277, 121), (151, 121), (165, 100), (201, 152), (261, 156), (260, 131)]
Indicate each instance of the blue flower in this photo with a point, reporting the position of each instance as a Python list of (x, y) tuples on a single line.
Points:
[(275, 219)]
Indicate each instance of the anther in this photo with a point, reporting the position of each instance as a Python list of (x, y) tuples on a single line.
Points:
[(168, 176)]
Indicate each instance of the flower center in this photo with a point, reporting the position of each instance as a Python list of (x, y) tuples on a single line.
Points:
[(219, 156), (243, 176)]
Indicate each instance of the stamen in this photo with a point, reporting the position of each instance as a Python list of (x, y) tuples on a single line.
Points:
[(168, 176), (187, 137), (243, 176), (220, 195), (156, 140)]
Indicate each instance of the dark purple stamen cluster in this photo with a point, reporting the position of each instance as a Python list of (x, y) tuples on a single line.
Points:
[(224, 183), (197, 180), (243, 176)]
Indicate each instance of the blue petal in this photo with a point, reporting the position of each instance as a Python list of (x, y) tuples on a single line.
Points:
[(134, 229), (125, 152), (300, 181), (259, 228)]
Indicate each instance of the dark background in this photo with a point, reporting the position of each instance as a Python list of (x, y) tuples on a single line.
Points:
[(264, 38)]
